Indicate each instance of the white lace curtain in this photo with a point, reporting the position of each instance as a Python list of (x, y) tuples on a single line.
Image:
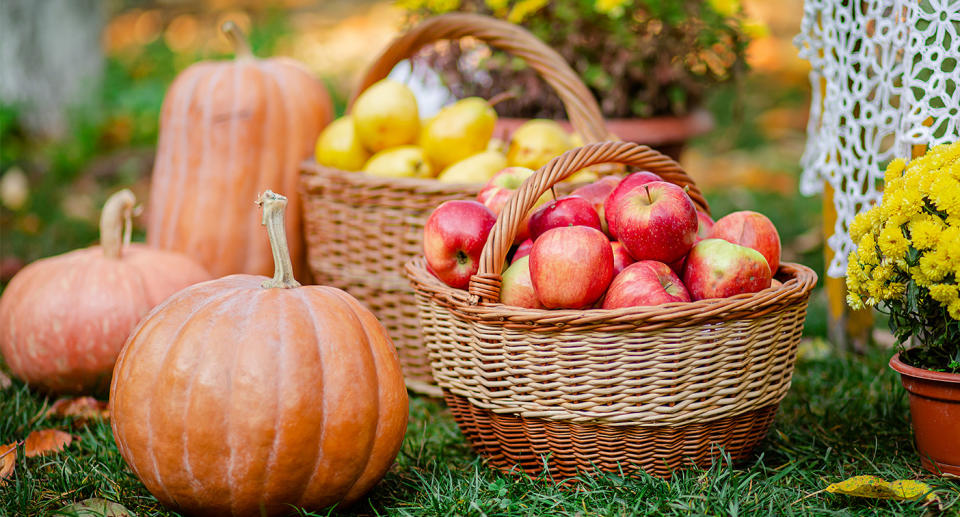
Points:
[(885, 77)]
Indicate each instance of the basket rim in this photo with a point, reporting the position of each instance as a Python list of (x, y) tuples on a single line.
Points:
[(797, 284)]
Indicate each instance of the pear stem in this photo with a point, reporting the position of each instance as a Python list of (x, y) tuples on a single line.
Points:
[(500, 97), (116, 224), (236, 36), (274, 205)]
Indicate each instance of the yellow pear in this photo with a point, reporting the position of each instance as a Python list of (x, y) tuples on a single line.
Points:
[(339, 147), (478, 168), (385, 115), (458, 131), (537, 142), (405, 161), (495, 144)]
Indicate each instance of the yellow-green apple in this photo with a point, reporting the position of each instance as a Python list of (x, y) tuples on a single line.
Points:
[(703, 228), (453, 238), (596, 193), (750, 229), (566, 211), (516, 288), (498, 189), (523, 249), (571, 266), (646, 282), (621, 258), (717, 269), (654, 221), (632, 180)]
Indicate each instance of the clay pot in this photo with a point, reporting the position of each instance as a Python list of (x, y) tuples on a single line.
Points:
[(668, 135), (935, 411)]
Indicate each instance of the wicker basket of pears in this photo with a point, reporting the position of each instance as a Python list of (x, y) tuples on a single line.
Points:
[(380, 171)]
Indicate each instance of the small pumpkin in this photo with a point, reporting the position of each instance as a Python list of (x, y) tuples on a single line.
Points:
[(246, 395), (63, 319), (229, 130)]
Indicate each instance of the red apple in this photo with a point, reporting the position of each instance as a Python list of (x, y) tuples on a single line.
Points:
[(654, 221), (621, 258), (523, 249), (516, 288), (453, 238), (705, 223), (596, 193), (498, 189), (632, 180), (646, 282), (677, 265), (571, 266), (566, 211), (753, 230), (717, 269)]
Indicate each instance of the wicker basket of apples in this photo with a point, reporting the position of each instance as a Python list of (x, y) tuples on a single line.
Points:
[(631, 332), (380, 171)]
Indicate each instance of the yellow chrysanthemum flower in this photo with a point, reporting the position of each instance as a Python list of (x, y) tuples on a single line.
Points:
[(892, 242), (610, 7), (925, 230), (524, 8)]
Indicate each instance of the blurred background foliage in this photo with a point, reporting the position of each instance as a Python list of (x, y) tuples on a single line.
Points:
[(52, 186)]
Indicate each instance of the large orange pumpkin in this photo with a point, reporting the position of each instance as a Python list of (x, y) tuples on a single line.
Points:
[(63, 319), (240, 396), (229, 130)]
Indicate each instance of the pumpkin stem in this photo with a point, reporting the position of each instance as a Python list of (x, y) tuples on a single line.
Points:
[(239, 40), (115, 223), (274, 205)]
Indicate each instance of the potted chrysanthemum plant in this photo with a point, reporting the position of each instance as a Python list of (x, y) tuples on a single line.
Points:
[(907, 263)]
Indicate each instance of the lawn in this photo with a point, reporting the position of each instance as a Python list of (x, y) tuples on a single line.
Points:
[(844, 415)]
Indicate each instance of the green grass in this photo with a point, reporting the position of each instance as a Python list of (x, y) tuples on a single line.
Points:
[(843, 416)]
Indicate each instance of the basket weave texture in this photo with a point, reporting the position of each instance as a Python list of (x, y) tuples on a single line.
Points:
[(655, 388), (361, 229)]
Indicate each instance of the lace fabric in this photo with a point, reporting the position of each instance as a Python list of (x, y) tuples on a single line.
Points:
[(885, 77)]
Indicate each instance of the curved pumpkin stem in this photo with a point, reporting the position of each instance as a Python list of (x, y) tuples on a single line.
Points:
[(115, 223), (274, 205), (236, 36)]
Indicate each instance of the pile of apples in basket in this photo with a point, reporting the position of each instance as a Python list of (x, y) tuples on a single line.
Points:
[(610, 244)]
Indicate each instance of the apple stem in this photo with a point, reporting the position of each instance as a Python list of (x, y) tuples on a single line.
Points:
[(115, 223), (274, 205), (650, 199), (553, 192)]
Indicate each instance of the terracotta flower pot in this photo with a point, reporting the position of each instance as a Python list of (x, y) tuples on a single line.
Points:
[(935, 411), (668, 135)]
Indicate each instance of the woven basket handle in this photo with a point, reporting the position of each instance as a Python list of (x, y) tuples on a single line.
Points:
[(581, 107), (486, 283)]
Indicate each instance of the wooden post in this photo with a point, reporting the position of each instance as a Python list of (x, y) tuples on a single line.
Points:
[(846, 328)]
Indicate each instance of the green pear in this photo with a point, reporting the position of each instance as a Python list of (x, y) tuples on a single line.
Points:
[(385, 115), (405, 161), (458, 131), (339, 147), (478, 168), (537, 142)]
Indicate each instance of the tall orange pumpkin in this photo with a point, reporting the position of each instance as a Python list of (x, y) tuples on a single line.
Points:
[(63, 319), (244, 395), (229, 130)]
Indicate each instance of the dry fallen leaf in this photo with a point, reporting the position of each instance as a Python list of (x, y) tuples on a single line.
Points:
[(5, 381), (95, 507), (47, 440), (8, 458), (81, 408), (872, 486)]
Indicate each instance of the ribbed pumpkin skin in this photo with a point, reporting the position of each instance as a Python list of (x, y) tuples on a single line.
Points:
[(229, 130), (63, 319), (229, 398)]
